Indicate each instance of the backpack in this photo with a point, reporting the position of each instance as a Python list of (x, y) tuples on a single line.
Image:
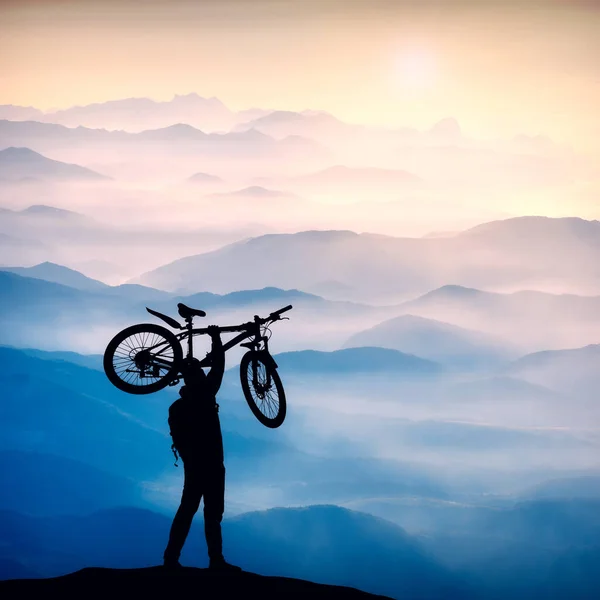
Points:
[(173, 425), (179, 427)]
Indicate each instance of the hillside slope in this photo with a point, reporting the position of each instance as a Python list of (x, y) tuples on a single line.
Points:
[(154, 582)]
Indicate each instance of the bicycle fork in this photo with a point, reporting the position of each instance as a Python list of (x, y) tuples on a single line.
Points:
[(261, 387)]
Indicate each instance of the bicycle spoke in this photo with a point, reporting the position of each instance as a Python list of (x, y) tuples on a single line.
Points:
[(268, 404), (265, 408), (272, 406), (126, 342), (120, 362), (159, 358), (272, 403), (128, 377)]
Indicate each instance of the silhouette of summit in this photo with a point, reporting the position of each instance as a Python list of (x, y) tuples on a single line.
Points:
[(157, 582)]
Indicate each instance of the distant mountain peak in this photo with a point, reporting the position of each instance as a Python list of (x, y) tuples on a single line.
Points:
[(179, 127), (51, 265), (195, 97), (253, 192), (281, 115), (313, 234), (20, 163), (517, 227), (22, 153), (58, 274), (46, 210), (190, 95), (253, 134), (285, 116), (257, 190), (450, 292), (448, 127), (204, 178), (359, 175), (457, 291), (354, 360), (547, 356)]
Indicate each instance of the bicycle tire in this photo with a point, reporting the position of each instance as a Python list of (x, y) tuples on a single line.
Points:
[(274, 414), (119, 355)]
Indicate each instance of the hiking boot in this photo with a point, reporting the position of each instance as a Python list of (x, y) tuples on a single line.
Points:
[(172, 564), (222, 566)]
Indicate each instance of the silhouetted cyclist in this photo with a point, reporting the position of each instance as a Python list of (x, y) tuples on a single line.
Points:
[(196, 433)]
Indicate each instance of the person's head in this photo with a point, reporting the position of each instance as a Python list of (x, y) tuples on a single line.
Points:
[(193, 377)]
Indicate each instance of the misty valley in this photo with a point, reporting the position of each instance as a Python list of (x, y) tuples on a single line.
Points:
[(441, 362)]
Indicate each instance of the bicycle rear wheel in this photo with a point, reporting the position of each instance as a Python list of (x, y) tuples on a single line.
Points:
[(143, 359), (263, 389)]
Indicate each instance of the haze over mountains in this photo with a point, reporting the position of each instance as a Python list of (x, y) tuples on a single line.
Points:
[(432, 339), (442, 431), (497, 257), (367, 544), (42, 233), (443, 177), (400, 274), (572, 370), (254, 150), (169, 149), (134, 114), (340, 535), (211, 115)]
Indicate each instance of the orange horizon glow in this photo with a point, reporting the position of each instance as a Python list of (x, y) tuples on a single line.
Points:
[(498, 68)]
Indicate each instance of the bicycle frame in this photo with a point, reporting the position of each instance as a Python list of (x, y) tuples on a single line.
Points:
[(153, 362), (248, 330), (145, 358)]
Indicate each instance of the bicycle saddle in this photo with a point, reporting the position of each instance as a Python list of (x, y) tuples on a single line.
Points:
[(187, 313)]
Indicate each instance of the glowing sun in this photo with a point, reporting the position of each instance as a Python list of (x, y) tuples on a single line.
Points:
[(415, 70)]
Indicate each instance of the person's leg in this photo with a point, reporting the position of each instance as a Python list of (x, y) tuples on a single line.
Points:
[(190, 501), (214, 506)]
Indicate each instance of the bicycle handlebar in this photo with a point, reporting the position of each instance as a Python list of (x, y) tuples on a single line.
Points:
[(244, 326), (281, 310)]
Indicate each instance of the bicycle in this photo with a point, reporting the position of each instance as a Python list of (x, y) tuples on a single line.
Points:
[(147, 357)]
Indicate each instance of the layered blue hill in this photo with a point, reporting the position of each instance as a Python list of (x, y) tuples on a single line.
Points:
[(356, 360), (325, 544), (38, 483), (53, 405), (52, 272)]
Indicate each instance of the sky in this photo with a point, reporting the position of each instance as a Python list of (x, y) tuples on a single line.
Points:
[(499, 67)]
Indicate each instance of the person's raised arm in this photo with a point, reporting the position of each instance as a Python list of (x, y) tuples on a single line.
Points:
[(215, 375)]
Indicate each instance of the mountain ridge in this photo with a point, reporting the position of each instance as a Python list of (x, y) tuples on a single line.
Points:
[(326, 544), (55, 273), (432, 339), (134, 113), (20, 163), (388, 265), (356, 360)]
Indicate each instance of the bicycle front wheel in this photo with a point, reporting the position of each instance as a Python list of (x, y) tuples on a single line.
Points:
[(263, 389), (143, 358)]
